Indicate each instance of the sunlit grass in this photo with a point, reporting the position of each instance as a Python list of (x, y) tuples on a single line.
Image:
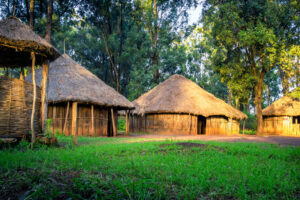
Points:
[(112, 168)]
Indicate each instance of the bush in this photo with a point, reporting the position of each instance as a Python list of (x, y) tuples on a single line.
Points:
[(121, 124), (250, 122)]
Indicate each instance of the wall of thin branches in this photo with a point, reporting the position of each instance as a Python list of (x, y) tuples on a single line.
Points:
[(282, 125), (16, 98), (182, 124), (59, 117)]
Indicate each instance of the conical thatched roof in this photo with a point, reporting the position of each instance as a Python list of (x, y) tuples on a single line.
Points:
[(17, 41), (69, 81), (285, 106), (181, 95)]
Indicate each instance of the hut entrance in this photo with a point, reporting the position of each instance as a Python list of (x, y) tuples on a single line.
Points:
[(201, 125), (109, 125)]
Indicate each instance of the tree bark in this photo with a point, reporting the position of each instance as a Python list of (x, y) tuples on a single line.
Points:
[(49, 20), (258, 101), (284, 82), (155, 55), (31, 14)]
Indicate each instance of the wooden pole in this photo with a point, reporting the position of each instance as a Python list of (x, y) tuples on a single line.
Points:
[(190, 123), (74, 122), (66, 117), (44, 103), (113, 122), (34, 100), (244, 126), (127, 123), (54, 118), (93, 121)]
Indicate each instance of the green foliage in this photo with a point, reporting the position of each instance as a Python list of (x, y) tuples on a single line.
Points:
[(121, 124), (295, 94), (150, 170), (250, 123)]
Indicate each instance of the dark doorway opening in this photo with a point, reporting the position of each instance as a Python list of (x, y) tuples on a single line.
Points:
[(109, 125), (296, 120), (201, 125)]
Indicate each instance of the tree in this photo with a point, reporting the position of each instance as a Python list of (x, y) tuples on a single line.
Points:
[(49, 20), (247, 37)]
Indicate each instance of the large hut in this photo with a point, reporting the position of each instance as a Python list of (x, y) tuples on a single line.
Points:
[(22, 105), (282, 117), (180, 106), (79, 99)]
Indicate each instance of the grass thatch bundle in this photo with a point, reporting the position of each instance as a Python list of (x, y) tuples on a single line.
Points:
[(181, 95), (69, 81), (17, 41)]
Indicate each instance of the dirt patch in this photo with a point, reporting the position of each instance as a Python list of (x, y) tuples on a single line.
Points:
[(190, 146), (27, 183)]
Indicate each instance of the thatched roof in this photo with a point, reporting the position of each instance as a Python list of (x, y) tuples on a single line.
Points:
[(181, 95), (17, 41), (69, 81), (285, 106)]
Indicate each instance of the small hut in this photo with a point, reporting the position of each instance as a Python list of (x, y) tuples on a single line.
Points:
[(180, 106), (22, 105), (282, 117), (77, 99)]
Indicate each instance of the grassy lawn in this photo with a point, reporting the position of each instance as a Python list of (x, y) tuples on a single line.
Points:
[(115, 168)]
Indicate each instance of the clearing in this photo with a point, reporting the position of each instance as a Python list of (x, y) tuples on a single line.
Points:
[(130, 168)]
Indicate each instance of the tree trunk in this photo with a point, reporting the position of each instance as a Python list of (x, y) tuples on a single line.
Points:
[(8, 10), (155, 39), (49, 20), (258, 101), (41, 8), (284, 82), (229, 98), (31, 14), (14, 8)]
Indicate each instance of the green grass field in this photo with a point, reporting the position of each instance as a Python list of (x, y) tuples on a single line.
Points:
[(120, 168)]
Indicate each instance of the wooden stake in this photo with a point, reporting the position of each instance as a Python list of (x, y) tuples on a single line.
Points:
[(93, 121), (54, 118), (66, 117), (113, 122), (74, 122), (127, 123), (44, 103), (34, 100)]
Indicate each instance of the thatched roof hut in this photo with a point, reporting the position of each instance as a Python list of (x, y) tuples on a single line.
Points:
[(181, 95), (70, 82), (21, 47), (282, 117), (17, 41), (181, 98), (285, 106)]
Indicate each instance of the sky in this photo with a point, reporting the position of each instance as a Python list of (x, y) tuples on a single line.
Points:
[(194, 14)]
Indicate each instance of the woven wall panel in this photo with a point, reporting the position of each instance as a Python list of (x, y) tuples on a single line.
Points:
[(16, 98)]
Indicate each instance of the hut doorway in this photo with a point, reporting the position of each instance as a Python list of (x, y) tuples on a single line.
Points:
[(109, 125), (201, 125)]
